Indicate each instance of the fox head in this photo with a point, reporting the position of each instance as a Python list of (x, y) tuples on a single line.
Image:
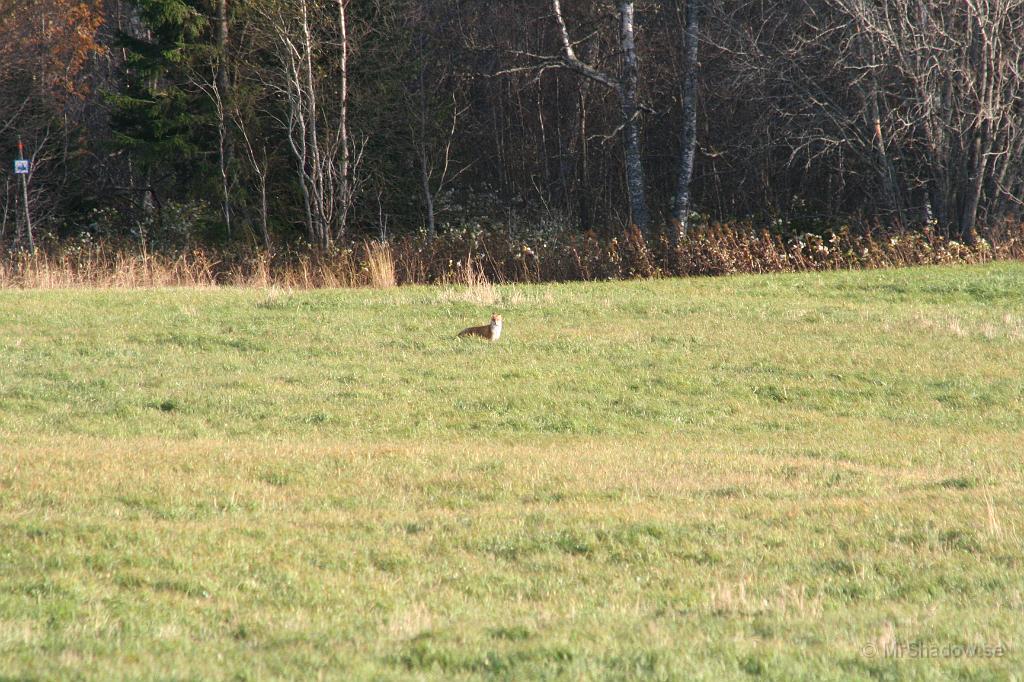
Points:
[(495, 319)]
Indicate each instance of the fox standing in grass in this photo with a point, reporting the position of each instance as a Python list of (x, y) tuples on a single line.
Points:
[(491, 331)]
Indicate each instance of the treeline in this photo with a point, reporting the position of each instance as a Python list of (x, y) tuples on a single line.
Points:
[(269, 124)]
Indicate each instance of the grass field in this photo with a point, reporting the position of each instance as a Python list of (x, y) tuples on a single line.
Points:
[(787, 477)]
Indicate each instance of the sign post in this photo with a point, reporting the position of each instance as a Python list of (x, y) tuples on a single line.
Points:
[(22, 166)]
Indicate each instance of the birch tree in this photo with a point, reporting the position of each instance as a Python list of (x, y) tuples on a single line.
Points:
[(688, 93), (222, 97), (626, 86), (310, 50)]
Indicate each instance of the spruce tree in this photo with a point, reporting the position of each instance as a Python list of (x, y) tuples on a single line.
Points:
[(159, 116)]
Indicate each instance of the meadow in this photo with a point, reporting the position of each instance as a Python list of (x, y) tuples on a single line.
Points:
[(797, 476)]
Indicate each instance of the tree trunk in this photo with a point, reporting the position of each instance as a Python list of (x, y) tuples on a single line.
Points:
[(887, 171), (344, 172), (681, 206), (6, 211), (264, 221), (972, 196), (428, 195), (28, 214), (223, 95), (628, 86), (585, 206), (625, 86)]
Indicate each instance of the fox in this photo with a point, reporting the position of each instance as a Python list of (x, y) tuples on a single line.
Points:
[(490, 332)]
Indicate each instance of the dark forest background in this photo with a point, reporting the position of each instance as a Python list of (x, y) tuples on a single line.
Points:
[(265, 124)]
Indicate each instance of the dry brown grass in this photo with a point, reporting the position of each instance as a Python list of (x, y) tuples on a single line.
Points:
[(470, 285), (473, 263), (380, 265), (97, 267), (1007, 326)]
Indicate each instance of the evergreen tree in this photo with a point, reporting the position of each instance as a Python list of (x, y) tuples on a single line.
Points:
[(161, 116)]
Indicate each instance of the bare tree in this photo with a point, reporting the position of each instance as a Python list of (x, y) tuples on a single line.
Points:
[(433, 106), (260, 164), (435, 162), (212, 84), (918, 102), (626, 87), (316, 117)]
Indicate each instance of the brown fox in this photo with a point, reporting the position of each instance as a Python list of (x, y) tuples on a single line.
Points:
[(491, 331)]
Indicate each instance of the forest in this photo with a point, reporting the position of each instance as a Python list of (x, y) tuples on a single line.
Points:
[(270, 126)]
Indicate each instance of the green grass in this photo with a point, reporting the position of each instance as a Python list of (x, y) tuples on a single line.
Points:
[(751, 477)]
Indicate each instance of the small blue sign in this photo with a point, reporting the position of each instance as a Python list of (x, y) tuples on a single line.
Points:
[(21, 166)]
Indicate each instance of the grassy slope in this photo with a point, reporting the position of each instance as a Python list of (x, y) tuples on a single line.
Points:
[(701, 478)]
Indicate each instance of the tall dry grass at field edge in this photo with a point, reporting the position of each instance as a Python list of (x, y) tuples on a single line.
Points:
[(480, 259)]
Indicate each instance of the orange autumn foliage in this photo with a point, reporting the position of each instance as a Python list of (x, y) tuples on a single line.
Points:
[(51, 39)]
